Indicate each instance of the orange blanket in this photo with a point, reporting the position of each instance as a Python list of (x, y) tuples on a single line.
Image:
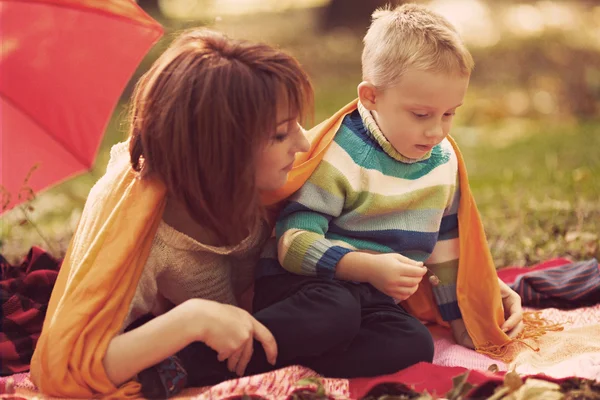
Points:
[(105, 259)]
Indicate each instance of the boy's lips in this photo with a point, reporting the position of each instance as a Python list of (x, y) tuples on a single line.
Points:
[(424, 147)]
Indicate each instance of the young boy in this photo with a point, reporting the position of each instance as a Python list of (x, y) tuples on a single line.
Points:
[(382, 204)]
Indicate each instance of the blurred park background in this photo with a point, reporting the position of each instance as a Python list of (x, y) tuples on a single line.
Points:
[(529, 129)]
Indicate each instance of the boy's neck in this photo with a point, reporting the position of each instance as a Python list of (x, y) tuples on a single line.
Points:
[(372, 126)]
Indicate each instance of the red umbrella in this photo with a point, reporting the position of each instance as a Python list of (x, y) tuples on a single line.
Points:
[(63, 67)]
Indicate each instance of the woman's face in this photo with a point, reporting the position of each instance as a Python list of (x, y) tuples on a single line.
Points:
[(277, 157)]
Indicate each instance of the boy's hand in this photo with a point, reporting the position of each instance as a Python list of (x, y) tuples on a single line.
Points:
[(459, 331), (513, 311), (395, 275)]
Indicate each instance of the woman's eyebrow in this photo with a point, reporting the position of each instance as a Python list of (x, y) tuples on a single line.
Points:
[(285, 121)]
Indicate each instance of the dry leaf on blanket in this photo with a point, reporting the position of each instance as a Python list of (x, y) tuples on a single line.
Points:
[(310, 389), (395, 391), (580, 389), (460, 387), (537, 389), (494, 368)]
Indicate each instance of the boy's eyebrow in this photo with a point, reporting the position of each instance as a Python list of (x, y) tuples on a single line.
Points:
[(432, 108)]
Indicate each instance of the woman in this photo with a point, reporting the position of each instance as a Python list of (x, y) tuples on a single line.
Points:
[(215, 121)]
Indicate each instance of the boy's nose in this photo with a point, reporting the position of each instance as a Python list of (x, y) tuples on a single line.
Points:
[(435, 131)]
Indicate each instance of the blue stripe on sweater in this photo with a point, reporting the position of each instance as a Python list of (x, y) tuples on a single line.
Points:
[(396, 239), (449, 223)]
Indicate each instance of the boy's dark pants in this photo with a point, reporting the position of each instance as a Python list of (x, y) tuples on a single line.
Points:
[(339, 329)]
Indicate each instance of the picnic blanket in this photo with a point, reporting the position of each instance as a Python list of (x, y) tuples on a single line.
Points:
[(25, 291), (575, 351)]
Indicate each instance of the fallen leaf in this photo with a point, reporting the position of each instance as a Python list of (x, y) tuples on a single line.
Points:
[(513, 381), (537, 389), (583, 236), (493, 368), (460, 387)]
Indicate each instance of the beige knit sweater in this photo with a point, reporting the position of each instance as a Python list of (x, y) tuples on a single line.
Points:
[(180, 268)]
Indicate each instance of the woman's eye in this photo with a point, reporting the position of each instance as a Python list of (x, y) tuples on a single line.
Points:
[(420, 115), (449, 114), (280, 137)]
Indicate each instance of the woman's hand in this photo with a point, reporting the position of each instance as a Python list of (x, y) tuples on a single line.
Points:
[(459, 331), (230, 331), (513, 312)]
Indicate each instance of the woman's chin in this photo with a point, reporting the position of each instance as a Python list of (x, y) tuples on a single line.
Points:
[(275, 182)]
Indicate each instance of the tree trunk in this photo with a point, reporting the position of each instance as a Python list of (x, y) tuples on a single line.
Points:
[(150, 6), (353, 14)]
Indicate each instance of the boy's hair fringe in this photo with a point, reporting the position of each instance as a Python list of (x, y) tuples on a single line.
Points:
[(411, 36)]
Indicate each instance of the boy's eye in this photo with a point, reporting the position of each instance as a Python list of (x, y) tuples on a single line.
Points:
[(450, 114), (418, 115)]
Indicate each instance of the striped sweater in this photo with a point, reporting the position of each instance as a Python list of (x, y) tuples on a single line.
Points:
[(365, 196)]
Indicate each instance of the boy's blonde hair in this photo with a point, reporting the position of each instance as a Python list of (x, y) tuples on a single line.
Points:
[(411, 36)]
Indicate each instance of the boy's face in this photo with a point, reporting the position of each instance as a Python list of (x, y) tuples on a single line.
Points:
[(416, 114)]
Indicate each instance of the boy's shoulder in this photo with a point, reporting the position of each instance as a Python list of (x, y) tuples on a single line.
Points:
[(352, 134)]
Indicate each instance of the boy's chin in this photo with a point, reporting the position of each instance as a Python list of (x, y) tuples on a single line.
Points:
[(413, 154)]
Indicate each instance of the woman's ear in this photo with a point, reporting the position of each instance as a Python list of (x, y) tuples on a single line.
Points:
[(367, 94)]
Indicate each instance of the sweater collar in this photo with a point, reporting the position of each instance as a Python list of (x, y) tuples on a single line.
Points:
[(374, 130)]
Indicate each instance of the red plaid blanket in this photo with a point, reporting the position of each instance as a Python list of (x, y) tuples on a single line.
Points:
[(25, 292)]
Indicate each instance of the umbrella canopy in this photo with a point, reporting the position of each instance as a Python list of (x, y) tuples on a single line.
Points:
[(63, 67)]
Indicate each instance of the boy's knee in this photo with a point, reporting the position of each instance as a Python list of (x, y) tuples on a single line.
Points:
[(423, 345), (409, 349), (335, 311), (419, 346)]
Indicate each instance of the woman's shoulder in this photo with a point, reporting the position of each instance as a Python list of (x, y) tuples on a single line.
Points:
[(172, 240)]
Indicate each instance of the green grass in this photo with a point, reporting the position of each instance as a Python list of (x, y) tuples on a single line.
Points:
[(538, 197), (537, 189)]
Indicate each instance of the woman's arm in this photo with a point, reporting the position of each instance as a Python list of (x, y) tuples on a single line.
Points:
[(147, 345), (226, 329)]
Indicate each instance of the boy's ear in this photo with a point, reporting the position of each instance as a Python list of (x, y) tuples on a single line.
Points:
[(367, 94)]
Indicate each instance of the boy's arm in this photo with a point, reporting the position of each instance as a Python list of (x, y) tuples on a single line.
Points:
[(301, 244), (443, 261)]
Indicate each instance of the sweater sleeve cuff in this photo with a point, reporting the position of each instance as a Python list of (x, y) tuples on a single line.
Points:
[(445, 297), (329, 260)]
